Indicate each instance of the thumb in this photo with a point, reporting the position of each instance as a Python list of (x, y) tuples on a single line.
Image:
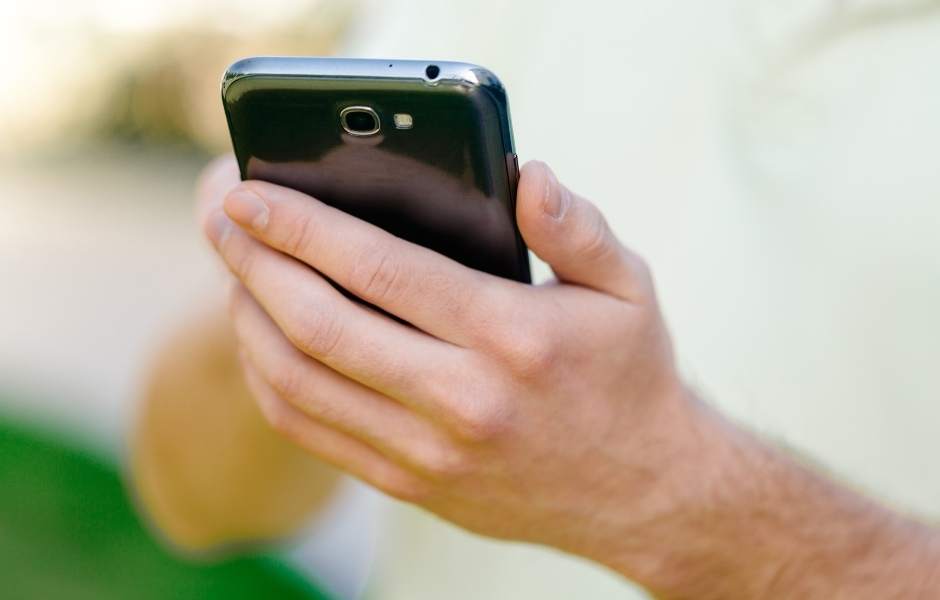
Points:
[(572, 236)]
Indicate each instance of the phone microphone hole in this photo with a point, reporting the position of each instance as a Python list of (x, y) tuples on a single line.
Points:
[(432, 71)]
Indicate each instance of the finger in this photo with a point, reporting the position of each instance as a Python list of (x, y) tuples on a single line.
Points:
[(334, 447), (328, 397), (215, 181), (572, 236), (430, 291), (389, 357)]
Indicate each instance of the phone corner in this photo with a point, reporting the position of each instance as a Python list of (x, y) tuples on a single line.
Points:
[(481, 77), (237, 70)]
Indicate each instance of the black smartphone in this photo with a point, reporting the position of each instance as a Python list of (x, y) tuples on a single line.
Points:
[(422, 149)]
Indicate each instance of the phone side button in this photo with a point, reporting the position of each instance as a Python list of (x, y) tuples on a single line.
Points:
[(512, 167)]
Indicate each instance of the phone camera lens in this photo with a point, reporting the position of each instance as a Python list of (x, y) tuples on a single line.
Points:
[(359, 120), (432, 71)]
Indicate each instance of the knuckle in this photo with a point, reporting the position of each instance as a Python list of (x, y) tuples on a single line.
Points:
[(480, 421), (288, 383), (491, 315), (277, 415), (299, 236), (529, 344), (446, 463), (535, 353), (243, 262), (594, 240), (402, 486), (331, 411), (377, 276), (318, 333)]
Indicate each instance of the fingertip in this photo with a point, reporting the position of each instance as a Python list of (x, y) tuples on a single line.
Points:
[(540, 203), (534, 176), (534, 166), (246, 207), (217, 227), (219, 176)]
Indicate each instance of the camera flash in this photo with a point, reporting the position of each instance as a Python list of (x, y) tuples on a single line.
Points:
[(403, 121)]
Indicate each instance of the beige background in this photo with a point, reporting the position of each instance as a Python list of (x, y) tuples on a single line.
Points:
[(778, 170)]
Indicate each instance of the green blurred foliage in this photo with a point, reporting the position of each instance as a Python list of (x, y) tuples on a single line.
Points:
[(69, 530)]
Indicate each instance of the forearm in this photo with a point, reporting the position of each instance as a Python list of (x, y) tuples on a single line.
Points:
[(761, 525), (206, 467)]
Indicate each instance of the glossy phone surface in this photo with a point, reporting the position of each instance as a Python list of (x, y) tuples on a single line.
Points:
[(435, 165)]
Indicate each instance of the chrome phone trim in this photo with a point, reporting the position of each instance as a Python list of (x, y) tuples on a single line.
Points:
[(365, 109)]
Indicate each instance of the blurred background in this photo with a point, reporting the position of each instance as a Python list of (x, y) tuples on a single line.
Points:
[(776, 161)]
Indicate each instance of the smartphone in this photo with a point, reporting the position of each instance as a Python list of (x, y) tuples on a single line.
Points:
[(422, 149)]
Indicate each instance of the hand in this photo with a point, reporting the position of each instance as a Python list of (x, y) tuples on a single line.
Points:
[(552, 414), (548, 413)]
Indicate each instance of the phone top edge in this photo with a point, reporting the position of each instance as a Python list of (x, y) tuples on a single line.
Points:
[(364, 68)]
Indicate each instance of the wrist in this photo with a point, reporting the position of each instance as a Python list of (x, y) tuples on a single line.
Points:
[(733, 517), (678, 469), (684, 537)]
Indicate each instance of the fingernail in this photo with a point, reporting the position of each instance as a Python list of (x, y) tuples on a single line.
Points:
[(555, 198), (247, 209), (218, 228)]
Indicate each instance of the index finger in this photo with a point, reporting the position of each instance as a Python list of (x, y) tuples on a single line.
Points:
[(432, 292)]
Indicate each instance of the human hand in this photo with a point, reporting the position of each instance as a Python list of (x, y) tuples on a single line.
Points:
[(552, 414), (548, 413)]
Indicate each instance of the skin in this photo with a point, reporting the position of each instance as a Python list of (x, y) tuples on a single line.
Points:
[(552, 414), (209, 482)]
